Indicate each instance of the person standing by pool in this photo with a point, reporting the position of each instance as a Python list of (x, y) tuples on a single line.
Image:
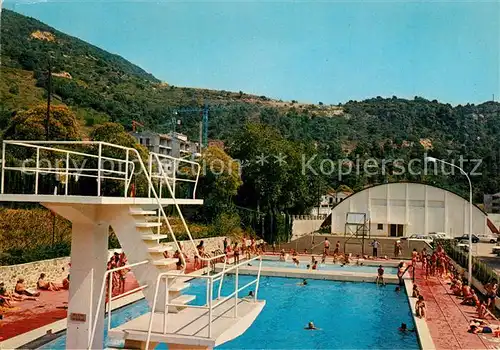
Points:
[(337, 248), (401, 271), (225, 245), (375, 245), (315, 266), (326, 249), (380, 275), (236, 253)]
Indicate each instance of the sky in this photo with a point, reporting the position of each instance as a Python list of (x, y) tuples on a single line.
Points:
[(310, 51)]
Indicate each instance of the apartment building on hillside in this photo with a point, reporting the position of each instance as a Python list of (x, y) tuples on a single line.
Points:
[(173, 144)]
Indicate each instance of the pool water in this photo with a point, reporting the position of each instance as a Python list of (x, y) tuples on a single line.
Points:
[(350, 316), (328, 267)]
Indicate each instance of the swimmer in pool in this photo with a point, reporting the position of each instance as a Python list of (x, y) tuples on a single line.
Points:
[(303, 283), (398, 289), (405, 329), (311, 326)]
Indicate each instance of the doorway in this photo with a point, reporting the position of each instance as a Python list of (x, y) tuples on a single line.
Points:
[(396, 230)]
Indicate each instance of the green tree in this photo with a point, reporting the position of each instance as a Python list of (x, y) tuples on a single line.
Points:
[(219, 183), (30, 124)]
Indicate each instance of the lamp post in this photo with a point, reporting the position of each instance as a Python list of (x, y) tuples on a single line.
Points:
[(435, 160)]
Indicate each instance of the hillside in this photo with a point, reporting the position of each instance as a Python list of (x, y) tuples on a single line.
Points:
[(99, 86)]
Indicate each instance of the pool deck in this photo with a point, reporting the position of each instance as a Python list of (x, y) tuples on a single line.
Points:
[(447, 320), (320, 274), (331, 275), (31, 320)]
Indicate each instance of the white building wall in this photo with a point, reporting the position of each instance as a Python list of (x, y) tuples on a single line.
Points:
[(419, 208)]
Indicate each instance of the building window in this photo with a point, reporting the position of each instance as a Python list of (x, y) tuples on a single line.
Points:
[(147, 142), (380, 226)]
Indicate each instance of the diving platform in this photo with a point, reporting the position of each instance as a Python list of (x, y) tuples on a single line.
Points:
[(68, 199), (189, 327), (97, 186)]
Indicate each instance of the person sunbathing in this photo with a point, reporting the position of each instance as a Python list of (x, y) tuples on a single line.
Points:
[(12, 297), (21, 289), (471, 299), (466, 291), (485, 328), (481, 310), (65, 283), (46, 285), (457, 288), (416, 292)]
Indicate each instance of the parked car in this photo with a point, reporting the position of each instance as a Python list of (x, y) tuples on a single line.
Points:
[(440, 235), (419, 237), (465, 238), (464, 246), (496, 249), (487, 238)]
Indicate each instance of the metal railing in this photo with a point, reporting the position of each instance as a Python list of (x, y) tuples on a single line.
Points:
[(71, 165), (67, 171), (172, 166), (110, 296), (209, 306)]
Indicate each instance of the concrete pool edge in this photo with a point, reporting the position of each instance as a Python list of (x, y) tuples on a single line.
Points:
[(331, 275), (422, 329)]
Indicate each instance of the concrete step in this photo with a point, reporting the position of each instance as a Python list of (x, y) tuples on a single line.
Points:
[(147, 224), (164, 262), (139, 212), (183, 299), (177, 287), (161, 248), (153, 237)]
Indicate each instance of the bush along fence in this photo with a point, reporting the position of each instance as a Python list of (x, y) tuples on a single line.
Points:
[(480, 270)]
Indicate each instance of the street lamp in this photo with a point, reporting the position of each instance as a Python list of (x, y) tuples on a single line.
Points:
[(435, 160)]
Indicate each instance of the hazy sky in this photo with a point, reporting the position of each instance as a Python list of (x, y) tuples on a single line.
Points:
[(309, 51)]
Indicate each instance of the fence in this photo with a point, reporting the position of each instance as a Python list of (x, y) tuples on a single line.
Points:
[(480, 270)]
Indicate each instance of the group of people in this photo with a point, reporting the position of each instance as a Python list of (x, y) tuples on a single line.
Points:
[(248, 247), (438, 264), (21, 292), (119, 277)]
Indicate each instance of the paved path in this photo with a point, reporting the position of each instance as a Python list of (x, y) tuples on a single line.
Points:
[(447, 319), (50, 307)]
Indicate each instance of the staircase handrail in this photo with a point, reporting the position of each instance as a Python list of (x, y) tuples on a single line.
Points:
[(184, 224), (101, 296), (210, 279)]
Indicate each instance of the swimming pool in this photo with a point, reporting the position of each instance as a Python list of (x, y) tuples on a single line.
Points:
[(350, 316), (328, 267)]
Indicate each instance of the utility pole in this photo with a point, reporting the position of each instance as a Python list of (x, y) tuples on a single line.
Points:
[(49, 92), (201, 136), (205, 125)]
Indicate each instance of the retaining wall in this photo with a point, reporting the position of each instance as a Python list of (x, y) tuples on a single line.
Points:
[(314, 244), (57, 269)]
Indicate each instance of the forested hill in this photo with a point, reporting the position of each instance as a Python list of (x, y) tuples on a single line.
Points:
[(99, 86)]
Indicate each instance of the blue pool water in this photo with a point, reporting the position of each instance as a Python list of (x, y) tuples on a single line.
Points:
[(328, 267), (349, 315)]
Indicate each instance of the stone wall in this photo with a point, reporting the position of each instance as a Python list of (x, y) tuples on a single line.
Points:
[(53, 268)]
